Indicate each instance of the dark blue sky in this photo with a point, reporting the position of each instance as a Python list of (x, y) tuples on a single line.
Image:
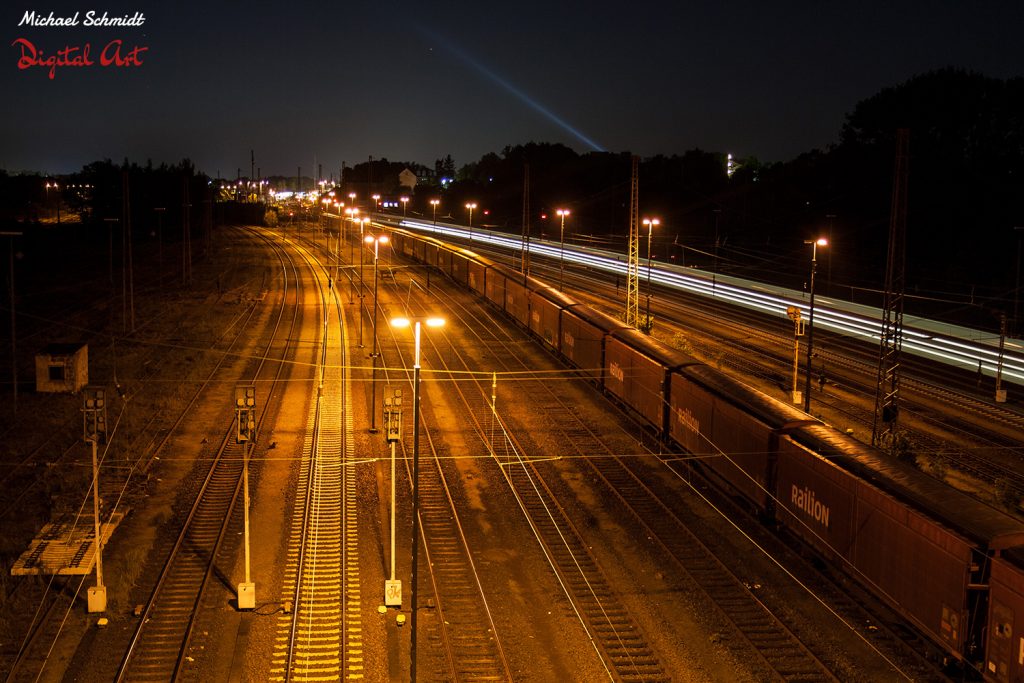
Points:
[(415, 81)]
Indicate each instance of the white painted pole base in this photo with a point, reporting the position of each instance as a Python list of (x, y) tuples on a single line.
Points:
[(247, 595), (393, 592), (97, 599)]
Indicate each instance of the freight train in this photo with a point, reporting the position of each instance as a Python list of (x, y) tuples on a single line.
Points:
[(950, 564)]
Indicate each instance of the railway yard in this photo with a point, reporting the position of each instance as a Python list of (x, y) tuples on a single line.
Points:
[(563, 535)]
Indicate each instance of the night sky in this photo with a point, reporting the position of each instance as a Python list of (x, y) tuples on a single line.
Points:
[(342, 81)]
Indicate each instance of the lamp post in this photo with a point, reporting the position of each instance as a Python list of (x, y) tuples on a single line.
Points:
[(350, 214), (433, 206), (321, 225), (820, 242), (337, 245), (362, 225), (562, 213), (405, 204), (650, 223), (471, 206), (405, 322), (353, 214), (376, 242), (376, 204), (55, 187)]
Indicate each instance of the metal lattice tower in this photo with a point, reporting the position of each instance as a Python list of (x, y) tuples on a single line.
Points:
[(633, 266), (888, 391)]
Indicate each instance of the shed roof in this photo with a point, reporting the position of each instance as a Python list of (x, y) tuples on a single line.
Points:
[(61, 349)]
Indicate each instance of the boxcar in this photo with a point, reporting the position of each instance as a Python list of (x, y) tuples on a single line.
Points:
[(444, 261), (636, 371), (517, 300), (922, 567), (723, 436), (419, 248), (494, 286), (546, 305), (923, 545), (432, 254), (582, 342), (478, 276), (460, 266), (1004, 647)]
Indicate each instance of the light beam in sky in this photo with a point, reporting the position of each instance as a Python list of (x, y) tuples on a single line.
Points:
[(509, 87)]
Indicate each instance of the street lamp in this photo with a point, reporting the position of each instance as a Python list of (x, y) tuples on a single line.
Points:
[(321, 224), (363, 220), (376, 203), (405, 204), (820, 242), (337, 244), (471, 206), (562, 213), (650, 223), (405, 322), (433, 205), (55, 186), (376, 242), (352, 213)]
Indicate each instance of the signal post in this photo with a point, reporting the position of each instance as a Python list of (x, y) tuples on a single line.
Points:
[(245, 435)]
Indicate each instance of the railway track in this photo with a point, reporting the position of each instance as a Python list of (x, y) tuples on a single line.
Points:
[(320, 636), (165, 635), (465, 644), (39, 638), (42, 630), (618, 640), (462, 641), (781, 651)]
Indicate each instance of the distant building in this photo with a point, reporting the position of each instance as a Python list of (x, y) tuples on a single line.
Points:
[(407, 179), (62, 368)]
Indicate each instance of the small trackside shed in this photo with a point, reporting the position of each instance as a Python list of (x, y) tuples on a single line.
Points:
[(62, 368)]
